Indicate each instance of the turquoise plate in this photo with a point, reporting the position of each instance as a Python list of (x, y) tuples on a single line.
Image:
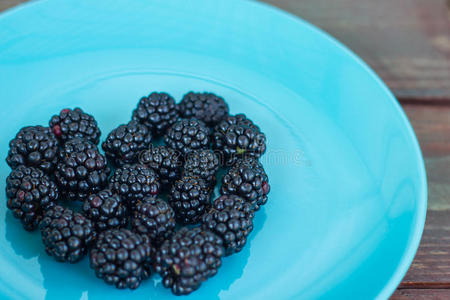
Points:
[(348, 200)]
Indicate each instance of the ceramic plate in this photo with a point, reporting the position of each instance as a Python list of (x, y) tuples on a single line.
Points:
[(348, 200)]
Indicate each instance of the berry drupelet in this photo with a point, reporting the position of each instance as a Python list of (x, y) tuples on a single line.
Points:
[(234, 202), (121, 258), (188, 258), (165, 161), (34, 146), (154, 218), (187, 135), (81, 170), (247, 179), (123, 144), (236, 137), (105, 210), (231, 218), (75, 123), (134, 182), (206, 107), (203, 164), (30, 193), (189, 198), (158, 112), (66, 234)]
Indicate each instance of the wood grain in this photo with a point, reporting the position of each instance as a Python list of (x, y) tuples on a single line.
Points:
[(431, 266), (431, 124), (423, 294), (5, 4)]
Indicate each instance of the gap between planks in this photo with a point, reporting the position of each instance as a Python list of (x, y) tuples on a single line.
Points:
[(424, 285)]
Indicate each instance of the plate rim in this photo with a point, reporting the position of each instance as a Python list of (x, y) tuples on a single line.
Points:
[(413, 245), (422, 195), (422, 200)]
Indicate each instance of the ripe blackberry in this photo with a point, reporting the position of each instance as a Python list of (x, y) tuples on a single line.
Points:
[(30, 193), (105, 210), (123, 144), (34, 146), (75, 123), (237, 137), (206, 107), (247, 179), (121, 258), (188, 258), (203, 164), (235, 202), (158, 112), (154, 218), (187, 135), (189, 198), (165, 161), (231, 218), (81, 170), (134, 182), (66, 234)]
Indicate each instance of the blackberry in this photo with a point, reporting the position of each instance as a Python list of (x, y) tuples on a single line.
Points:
[(155, 218), (75, 123), (247, 179), (66, 234), (234, 202), (121, 258), (123, 144), (187, 135), (158, 112), (81, 170), (165, 161), (231, 218), (30, 193), (239, 119), (105, 210), (189, 198), (134, 182), (203, 164), (206, 107), (188, 258), (237, 137), (34, 146)]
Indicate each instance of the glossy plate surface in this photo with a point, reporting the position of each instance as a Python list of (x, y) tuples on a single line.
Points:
[(348, 200)]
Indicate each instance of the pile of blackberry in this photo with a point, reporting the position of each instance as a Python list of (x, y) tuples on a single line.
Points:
[(147, 204)]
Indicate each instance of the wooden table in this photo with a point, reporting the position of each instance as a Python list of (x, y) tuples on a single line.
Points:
[(407, 42)]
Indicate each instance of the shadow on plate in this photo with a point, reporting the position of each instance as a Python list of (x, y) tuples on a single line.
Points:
[(70, 281), (26, 244), (233, 266), (60, 280), (64, 280)]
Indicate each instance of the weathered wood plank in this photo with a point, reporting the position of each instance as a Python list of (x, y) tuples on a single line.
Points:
[(431, 266), (431, 124), (5, 4), (421, 294)]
